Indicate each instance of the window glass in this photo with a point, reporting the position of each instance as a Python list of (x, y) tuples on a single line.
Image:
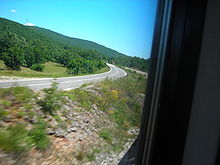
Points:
[(73, 76)]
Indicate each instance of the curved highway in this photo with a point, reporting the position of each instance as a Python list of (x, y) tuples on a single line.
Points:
[(65, 83)]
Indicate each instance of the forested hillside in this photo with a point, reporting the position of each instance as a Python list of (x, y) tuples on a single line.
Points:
[(33, 46)]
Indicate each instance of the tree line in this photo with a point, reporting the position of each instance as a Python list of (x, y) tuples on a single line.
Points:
[(16, 52), (32, 47)]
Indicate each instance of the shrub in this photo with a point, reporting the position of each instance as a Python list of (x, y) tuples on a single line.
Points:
[(38, 67), (3, 113), (50, 103), (20, 94), (39, 137), (23, 94), (14, 139)]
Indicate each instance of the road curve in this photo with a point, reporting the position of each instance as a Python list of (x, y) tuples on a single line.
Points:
[(65, 83)]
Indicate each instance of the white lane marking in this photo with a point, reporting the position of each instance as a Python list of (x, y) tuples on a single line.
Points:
[(115, 73), (67, 89), (112, 66), (90, 79), (125, 74), (77, 80)]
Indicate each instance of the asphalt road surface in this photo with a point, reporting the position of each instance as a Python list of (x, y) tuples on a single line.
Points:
[(65, 83)]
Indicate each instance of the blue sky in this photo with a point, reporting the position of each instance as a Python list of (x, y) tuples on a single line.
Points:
[(123, 25)]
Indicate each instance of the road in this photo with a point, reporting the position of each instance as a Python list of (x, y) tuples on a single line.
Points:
[(65, 83)]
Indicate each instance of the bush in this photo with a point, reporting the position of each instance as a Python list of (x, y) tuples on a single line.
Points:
[(38, 67), (50, 103), (39, 137), (14, 139), (80, 65), (120, 98), (18, 94), (3, 113)]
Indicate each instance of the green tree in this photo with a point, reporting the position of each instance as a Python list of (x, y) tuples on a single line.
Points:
[(29, 59), (101, 64), (38, 67), (13, 58), (73, 67), (89, 66)]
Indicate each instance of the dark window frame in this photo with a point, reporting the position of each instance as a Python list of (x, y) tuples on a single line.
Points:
[(171, 81)]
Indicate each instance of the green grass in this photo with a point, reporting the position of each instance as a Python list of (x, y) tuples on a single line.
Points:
[(106, 135), (92, 156), (119, 99), (39, 137), (105, 69), (84, 98), (52, 100), (21, 114), (13, 98), (3, 113), (52, 70), (16, 95), (17, 139), (14, 139), (57, 118)]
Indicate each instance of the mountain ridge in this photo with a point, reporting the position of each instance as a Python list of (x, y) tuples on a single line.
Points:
[(56, 42), (42, 30)]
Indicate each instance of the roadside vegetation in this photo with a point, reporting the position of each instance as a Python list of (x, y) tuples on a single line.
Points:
[(51, 69), (15, 104), (121, 99), (31, 122), (67, 127)]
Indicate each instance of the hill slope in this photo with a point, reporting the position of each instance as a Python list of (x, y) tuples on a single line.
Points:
[(79, 43), (56, 47)]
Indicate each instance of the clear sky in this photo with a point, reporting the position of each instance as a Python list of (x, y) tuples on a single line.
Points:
[(123, 25)]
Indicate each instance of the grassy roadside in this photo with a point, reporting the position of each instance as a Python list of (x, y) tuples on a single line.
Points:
[(52, 70), (110, 110), (120, 100)]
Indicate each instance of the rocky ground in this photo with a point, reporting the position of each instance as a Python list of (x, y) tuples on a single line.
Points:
[(74, 136)]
